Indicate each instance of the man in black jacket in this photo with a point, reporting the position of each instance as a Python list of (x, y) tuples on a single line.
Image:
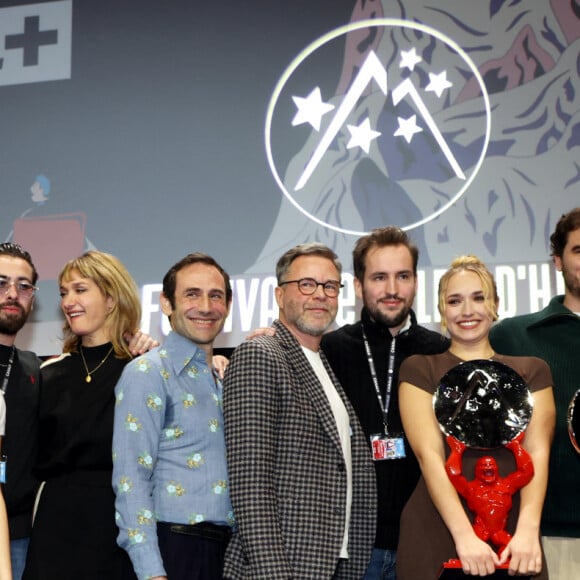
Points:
[(20, 382), (366, 357)]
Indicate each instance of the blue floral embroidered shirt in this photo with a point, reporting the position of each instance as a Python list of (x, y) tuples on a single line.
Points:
[(169, 455)]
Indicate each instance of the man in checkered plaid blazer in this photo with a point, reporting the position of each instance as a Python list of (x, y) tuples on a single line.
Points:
[(302, 481)]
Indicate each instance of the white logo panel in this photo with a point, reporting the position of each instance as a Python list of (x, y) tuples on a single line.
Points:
[(400, 111), (35, 43)]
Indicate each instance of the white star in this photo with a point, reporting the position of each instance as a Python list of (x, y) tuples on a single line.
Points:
[(409, 59), (407, 128), (310, 109), (362, 135), (438, 83)]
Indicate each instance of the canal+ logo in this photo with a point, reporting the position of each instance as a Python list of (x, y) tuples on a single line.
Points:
[(35, 42)]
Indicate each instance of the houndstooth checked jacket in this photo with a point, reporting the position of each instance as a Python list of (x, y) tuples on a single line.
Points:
[(286, 469)]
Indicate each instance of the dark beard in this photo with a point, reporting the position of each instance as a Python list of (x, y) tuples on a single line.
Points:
[(571, 284), (388, 321), (12, 323)]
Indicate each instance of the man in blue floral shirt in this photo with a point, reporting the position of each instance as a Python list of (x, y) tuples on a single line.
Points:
[(170, 476)]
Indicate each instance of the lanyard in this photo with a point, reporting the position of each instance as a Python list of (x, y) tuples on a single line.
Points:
[(384, 406), (8, 371)]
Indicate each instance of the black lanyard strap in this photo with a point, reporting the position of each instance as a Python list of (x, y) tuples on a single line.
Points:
[(390, 377), (8, 370)]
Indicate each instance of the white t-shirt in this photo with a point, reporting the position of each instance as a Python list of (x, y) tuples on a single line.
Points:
[(344, 432)]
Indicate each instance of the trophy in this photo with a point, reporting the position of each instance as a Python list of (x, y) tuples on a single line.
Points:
[(574, 421), (484, 404)]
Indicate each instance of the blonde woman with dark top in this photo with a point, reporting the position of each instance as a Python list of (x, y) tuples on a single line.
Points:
[(435, 524), (74, 533)]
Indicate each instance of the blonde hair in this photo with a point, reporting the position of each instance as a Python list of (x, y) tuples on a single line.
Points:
[(112, 279), (473, 264)]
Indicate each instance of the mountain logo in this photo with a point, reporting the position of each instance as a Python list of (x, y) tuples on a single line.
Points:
[(356, 143)]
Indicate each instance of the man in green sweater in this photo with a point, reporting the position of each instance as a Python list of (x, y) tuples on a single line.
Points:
[(553, 334)]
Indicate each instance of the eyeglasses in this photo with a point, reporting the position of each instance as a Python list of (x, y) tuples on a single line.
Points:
[(308, 286), (23, 289)]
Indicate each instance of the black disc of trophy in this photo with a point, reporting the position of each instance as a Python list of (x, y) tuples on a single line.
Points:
[(483, 403), (574, 421)]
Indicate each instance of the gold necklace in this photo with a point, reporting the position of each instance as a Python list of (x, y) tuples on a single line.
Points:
[(88, 378)]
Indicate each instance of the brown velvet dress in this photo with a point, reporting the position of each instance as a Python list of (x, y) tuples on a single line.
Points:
[(425, 542)]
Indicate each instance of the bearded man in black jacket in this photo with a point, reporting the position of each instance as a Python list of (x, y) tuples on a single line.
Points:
[(20, 382), (366, 357)]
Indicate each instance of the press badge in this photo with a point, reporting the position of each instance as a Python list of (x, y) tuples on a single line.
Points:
[(3, 469), (387, 447)]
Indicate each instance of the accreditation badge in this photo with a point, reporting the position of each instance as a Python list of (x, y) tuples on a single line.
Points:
[(386, 446)]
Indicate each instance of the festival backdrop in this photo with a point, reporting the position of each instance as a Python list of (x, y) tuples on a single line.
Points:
[(240, 128)]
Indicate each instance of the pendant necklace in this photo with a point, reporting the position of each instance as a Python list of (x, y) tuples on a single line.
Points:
[(88, 378)]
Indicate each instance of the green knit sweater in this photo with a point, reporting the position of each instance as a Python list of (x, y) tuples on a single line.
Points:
[(552, 334)]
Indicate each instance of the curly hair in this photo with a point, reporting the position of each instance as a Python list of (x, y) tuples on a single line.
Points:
[(569, 222)]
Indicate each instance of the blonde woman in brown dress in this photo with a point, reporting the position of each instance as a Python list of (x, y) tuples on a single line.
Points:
[(435, 524)]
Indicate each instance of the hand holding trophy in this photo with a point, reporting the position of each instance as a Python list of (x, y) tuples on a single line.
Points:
[(489, 496), (484, 404), (467, 415)]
